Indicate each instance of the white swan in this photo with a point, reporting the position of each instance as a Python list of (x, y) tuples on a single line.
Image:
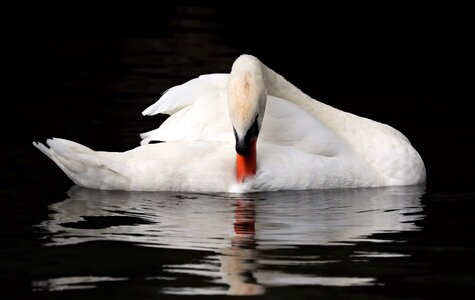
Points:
[(210, 142)]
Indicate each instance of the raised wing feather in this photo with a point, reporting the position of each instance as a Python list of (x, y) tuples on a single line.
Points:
[(181, 96)]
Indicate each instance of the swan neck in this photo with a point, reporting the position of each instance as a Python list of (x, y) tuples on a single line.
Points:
[(277, 86)]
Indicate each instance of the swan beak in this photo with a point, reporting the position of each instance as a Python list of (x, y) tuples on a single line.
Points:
[(246, 154), (246, 164)]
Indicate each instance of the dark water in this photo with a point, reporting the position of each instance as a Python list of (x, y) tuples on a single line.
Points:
[(376, 243), (87, 77)]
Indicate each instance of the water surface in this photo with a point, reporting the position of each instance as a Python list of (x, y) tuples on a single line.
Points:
[(247, 244)]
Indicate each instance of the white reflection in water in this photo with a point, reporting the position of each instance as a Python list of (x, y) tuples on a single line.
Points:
[(70, 283), (237, 227)]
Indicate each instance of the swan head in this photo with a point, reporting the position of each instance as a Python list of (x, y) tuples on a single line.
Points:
[(246, 102)]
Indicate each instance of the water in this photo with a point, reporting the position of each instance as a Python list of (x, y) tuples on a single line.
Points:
[(88, 79), (383, 242), (249, 243)]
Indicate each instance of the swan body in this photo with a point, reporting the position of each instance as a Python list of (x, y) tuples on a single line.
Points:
[(302, 143)]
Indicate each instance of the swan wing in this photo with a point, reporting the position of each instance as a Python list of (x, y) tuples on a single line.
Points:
[(181, 96), (285, 124), (206, 119)]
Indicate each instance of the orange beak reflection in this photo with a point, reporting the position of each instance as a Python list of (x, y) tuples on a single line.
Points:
[(246, 165)]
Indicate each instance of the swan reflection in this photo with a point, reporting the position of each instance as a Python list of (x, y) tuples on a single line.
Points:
[(238, 228)]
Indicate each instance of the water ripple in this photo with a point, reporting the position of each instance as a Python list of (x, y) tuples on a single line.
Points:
[(243, 232)]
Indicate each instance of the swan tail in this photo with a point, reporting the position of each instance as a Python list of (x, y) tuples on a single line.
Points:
[(84, 166)]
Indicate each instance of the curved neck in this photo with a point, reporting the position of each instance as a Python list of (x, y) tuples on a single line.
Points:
[(248, 83), (278, 86)]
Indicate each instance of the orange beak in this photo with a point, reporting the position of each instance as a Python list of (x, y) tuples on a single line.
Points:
[(246, 165)]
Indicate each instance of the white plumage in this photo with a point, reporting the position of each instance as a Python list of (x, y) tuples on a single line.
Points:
[(303, 144)]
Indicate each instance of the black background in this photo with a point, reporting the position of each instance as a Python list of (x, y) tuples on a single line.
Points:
[(86, 73)]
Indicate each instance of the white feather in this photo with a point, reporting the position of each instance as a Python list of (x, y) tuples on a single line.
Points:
[(185, 94)]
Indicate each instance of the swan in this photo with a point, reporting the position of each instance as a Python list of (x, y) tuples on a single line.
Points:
[(250, 130)]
